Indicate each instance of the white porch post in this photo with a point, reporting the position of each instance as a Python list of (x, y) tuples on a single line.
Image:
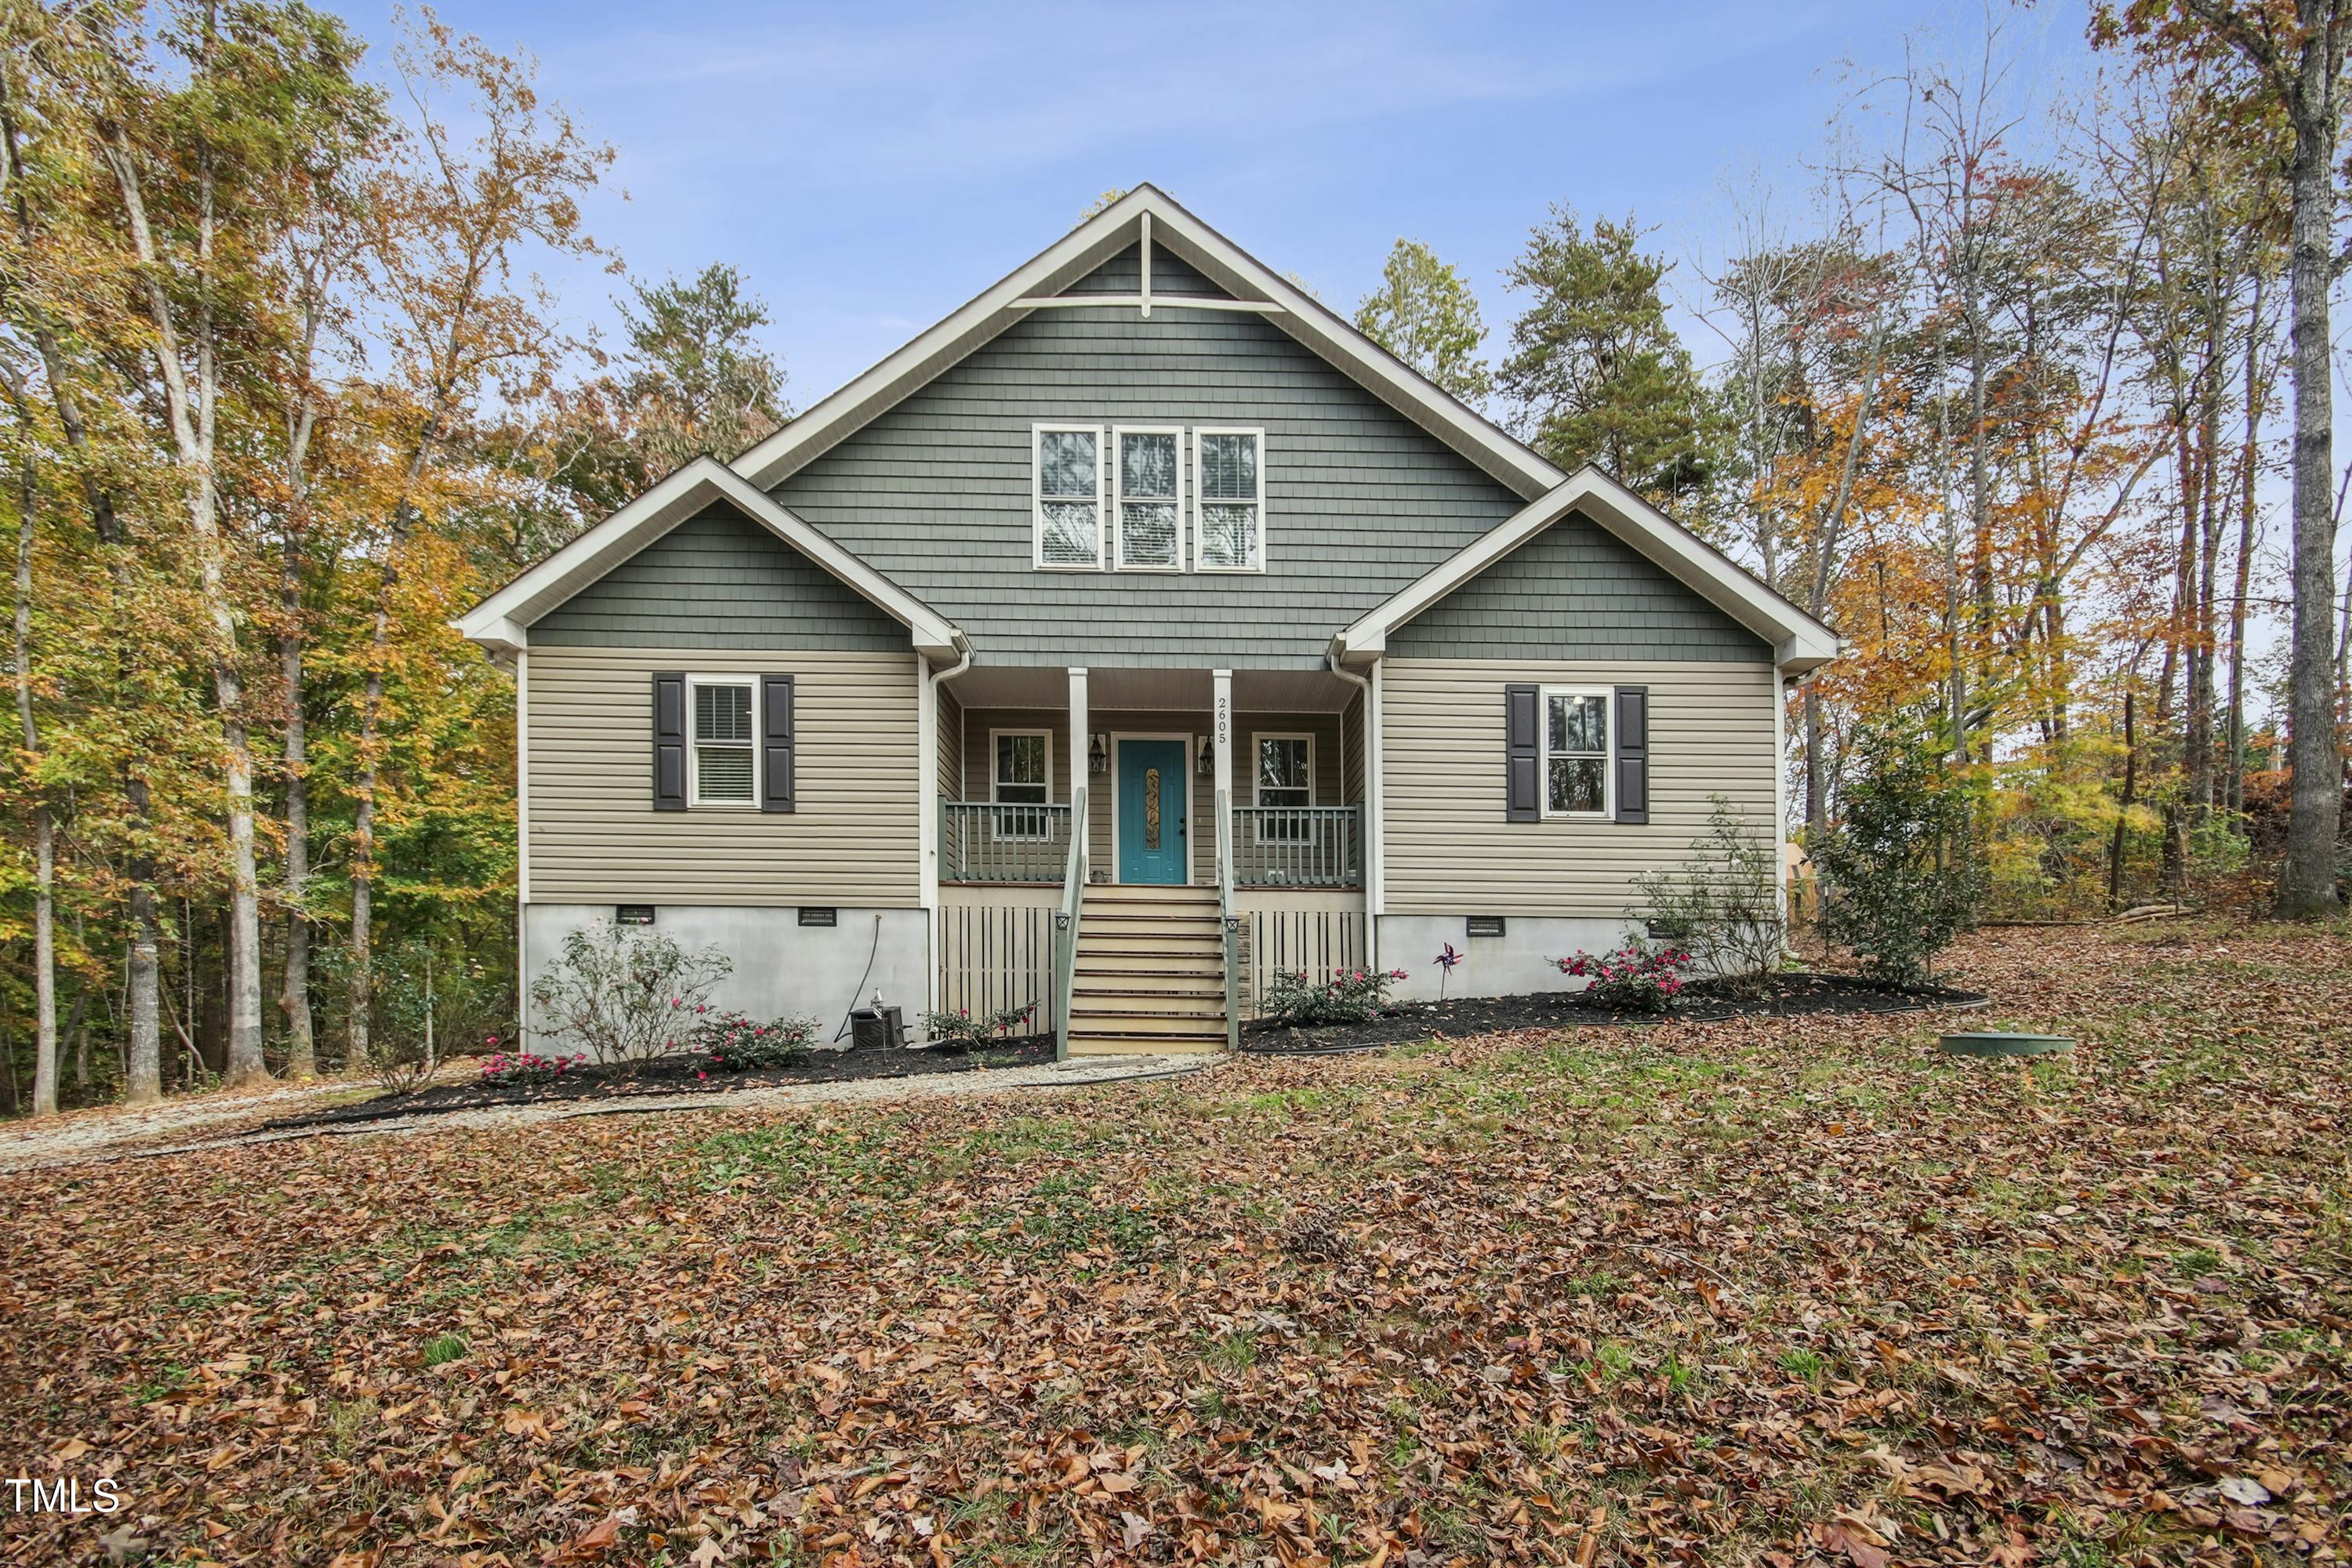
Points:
[(522, 849), (1077, 747), (927, 823), (1376, 825), (1221, 729)]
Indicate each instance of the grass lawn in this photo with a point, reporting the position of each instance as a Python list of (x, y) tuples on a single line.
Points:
[(1797, 1292)]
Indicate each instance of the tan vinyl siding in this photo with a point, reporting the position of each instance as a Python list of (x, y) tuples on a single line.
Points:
[(1447, 846), (595, 838), (950, 749)]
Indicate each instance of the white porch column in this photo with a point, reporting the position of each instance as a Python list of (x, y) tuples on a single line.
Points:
[(1077, 747), (1221, 729), (927, 823), (1376, 893)]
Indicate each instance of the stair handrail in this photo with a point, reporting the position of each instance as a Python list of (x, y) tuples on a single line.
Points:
[(1065, 923), (1229, 919)]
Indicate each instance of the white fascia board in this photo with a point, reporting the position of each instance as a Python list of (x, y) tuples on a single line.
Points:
[(503, 620), (1800, 642)]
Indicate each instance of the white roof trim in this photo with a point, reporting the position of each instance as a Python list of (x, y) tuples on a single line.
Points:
[(1251, 282), (1799, 641), (502, 622)]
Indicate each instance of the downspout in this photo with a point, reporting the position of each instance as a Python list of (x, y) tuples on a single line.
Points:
[(1362, 684), (933, 681)]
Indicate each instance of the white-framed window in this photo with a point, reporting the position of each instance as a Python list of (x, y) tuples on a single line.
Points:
[(724, 741), (1578, 747), (1066, 471), (1150, 466), (1286, 776), (1229, 487), (1021, 773)]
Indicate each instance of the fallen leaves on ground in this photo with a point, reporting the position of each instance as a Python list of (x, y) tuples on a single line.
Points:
[(1786, 1292)]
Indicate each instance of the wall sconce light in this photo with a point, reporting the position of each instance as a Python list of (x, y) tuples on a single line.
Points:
[(1098, 756), (1207, 765)]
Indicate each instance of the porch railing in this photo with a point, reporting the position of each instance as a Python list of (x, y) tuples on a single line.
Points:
[(994, 842), (1298, 845)]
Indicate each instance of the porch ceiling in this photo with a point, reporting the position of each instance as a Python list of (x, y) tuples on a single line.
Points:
[(1168, 691)]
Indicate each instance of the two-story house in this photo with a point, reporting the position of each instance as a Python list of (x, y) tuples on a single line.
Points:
[(1137, 631)]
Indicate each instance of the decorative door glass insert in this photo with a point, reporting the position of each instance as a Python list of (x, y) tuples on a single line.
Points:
[(1152, 808)]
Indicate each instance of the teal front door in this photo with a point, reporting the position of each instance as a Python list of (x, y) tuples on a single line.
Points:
[(1151, 811)]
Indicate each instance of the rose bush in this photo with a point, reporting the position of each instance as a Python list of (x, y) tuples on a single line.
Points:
[(731, 1042), (1634, 979), (527, 1066)]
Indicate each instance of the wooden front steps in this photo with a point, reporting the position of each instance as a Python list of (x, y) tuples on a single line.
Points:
[(1150, 973)]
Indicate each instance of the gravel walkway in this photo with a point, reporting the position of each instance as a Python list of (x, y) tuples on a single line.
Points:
[(104, 1137)]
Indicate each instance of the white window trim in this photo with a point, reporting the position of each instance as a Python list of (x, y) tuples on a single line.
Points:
[(1199, 534), (999, 818), (694, 744), (1037, 434), (1257, 782), (1118, 497), (1608, 753)]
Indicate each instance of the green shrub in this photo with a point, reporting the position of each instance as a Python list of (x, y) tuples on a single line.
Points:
[(1899, 880), (1350, 996), (1722, 905), (961, 1030), (626, 994)]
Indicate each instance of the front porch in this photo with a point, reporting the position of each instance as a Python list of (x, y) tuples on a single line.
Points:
[(1242, 795), (1010, 771)]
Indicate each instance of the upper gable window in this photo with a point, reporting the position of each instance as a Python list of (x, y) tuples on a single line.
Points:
[(1230, 475), (1067, 468), (1150, 501)]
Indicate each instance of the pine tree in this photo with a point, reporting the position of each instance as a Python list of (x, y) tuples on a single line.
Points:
[(1597, 374)]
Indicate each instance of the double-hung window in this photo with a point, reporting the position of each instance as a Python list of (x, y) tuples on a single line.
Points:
[(1150, 501), (1068, 466), (1575, 753), (1229, 475), (1023, 776), (1286, 777), (726, 753)]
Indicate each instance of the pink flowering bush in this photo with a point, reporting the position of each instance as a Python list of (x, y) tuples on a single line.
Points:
[(1634, 979), (504, 1068), (729, 1042), (1346, 997)]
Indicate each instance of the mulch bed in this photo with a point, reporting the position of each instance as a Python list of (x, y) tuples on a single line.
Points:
[(680, 1075), (1704, 1002)]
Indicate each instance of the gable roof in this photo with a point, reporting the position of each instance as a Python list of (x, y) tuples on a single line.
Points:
[(1146, 216), (1800, 642), (502, 622)]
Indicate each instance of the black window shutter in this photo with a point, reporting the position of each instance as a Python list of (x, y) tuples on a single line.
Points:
[(669, 743), (1634, 753), (777, 745), (1522, 755)]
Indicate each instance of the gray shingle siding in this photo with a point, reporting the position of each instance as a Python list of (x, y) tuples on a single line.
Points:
[(719, 580), (936, 494), (1576, 592)]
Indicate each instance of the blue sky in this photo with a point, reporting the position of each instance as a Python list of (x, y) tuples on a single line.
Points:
[(869, 167)]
